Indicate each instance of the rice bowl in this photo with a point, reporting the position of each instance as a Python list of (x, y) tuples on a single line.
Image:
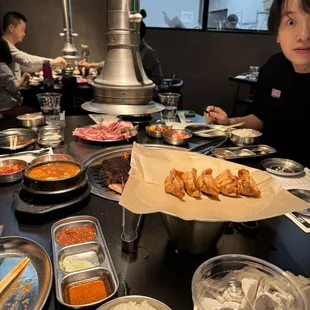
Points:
[(134, 302)]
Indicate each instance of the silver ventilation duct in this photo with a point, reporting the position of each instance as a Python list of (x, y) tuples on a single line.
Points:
[(69, 51), (122, 87)]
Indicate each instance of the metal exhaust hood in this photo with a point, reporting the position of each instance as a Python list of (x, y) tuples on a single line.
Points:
[(123, 87), (69, 51)]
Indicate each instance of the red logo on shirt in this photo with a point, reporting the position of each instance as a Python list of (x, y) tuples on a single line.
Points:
[(276, 93)]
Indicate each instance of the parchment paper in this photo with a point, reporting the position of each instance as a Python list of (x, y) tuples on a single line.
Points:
[(144, 191)]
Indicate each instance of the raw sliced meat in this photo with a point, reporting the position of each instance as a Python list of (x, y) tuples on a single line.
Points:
[(107, 130)]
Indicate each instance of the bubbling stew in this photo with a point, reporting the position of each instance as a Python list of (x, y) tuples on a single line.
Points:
[(54, 171)]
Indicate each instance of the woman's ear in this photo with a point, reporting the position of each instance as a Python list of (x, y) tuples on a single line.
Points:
[(278, 40)]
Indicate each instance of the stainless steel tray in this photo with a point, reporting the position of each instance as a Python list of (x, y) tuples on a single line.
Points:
[(29, 137), (92, 163), (120, 109), (33, 287), (283, 167), (252, 151), (95, 251)]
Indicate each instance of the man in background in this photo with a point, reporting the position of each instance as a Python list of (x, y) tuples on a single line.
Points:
[(14, 28), (231, 22)]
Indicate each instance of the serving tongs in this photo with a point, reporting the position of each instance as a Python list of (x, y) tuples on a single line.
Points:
[(131, 223)]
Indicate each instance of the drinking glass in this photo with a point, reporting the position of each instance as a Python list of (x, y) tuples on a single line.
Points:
[(170, 102), (254, 71), (50, 106)]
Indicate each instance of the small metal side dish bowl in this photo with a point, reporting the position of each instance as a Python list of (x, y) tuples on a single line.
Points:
[(243, 141), (157, 133), (51, 157), (134, 298), (32, 120), (15, 176), (168, 137), (283, 167)]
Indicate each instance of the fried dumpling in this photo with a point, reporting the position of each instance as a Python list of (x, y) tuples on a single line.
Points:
[(191, 184), (228, 184), (248, 186), (174, 184), (207, 183)]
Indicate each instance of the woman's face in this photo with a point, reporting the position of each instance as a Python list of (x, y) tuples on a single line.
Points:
[(294, 35)]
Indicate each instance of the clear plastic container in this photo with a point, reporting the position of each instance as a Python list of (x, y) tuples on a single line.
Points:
[(50, 107), (222, 274)]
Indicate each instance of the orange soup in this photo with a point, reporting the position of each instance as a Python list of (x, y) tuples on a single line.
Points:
[(54, 171)]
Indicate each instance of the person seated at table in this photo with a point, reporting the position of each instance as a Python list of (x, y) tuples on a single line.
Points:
[(10, 98), (281, 107), (231, 22), (150, 61), (14, 27)]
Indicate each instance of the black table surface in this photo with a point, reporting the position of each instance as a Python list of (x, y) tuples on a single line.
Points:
[(157, 269)]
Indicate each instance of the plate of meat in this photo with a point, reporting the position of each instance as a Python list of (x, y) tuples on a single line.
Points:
[(107, 131)]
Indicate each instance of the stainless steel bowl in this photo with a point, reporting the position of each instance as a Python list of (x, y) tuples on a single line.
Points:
[(175, 141), (134, 298), (157, 134), (32, 120), (194, 237), (15, 176), (243, 141), (35, 186), (53, 157), (283, 167)]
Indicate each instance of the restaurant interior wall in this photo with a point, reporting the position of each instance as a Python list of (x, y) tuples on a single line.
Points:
[(204, 60)]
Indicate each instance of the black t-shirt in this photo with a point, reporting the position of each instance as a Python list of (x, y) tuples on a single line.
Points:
[(282, 102)]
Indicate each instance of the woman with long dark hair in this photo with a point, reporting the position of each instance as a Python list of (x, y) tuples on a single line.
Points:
[(10, 97)]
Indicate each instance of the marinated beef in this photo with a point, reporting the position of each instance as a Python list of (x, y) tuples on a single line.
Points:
[(116, 169)]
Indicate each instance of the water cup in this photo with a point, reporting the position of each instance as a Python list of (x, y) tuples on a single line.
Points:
[(50, 106), (254, 71), (170, 102)]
